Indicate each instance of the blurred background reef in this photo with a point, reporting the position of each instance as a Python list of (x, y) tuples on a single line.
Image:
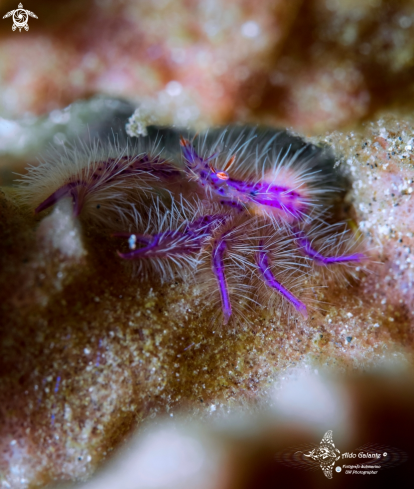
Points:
[(88, 356)]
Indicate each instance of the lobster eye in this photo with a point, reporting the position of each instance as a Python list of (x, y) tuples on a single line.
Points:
[(222, 175)]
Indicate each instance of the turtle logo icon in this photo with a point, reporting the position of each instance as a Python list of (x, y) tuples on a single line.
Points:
[(20, 18), (326, 454)]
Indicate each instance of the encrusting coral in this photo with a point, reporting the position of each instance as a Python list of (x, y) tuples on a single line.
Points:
[(89, 353)]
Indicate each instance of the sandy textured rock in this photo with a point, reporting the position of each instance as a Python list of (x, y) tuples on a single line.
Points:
[(88, 354), (380, 160)]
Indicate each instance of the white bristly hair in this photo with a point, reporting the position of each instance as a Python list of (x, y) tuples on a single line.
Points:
[(258, 156), (252, 251), (104, 176), (167, 221)]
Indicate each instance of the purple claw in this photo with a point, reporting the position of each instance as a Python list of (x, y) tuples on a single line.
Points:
[(173, 243), (263, 263), (68, 190), (52, 199), (324, 260), (142, 238), (219, 249), (165, 245), (108, 171)]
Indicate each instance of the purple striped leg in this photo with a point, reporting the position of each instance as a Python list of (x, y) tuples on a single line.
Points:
[(306, 246), (219, 249), (262, 260)]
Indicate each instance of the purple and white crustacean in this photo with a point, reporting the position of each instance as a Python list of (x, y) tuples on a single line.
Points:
[(283, 193), (99, 178), (237, 214)]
